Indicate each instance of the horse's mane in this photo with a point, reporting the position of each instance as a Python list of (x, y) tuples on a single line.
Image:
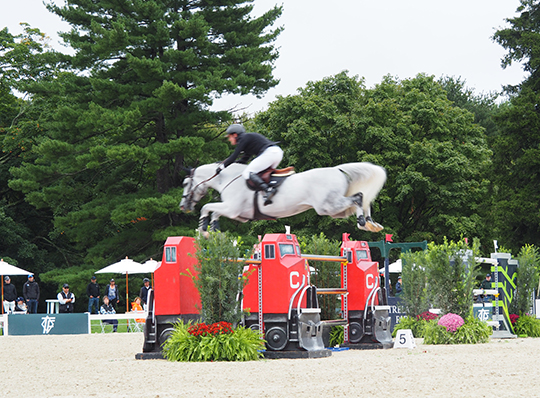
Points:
[(363, 175)]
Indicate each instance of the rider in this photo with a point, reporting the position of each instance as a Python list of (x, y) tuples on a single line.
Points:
[(267, 154)]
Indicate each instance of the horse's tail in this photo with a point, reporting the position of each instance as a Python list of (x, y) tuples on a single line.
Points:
[(364, 177)]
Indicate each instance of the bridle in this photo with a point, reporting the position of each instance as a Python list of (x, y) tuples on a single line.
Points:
[(189, 196)]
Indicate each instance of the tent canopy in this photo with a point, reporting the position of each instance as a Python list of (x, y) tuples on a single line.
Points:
[(8, 269), (394, 268)]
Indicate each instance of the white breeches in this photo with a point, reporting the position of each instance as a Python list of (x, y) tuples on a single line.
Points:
[(269, 158)]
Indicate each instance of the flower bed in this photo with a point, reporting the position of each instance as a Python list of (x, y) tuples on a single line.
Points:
[(215, 342)]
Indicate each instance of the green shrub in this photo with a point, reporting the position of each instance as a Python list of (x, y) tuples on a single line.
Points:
[(219, 279), (337, 335), (328, 273), (473, 331), (239, 345), (527, 325), (442, 276), (416, 325), (526, 279)]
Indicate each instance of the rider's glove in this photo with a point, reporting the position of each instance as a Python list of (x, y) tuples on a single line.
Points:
[(221, 167)]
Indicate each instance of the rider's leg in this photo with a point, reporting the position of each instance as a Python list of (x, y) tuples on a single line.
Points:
[(269, 158)]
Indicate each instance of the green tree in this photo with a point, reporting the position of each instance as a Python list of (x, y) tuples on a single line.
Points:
[(218, 277), (327, 274), (26, 239), (131, 108), (435, 156), (526, 280), (414, 276), (483, 106), (451, 273), (517, 147)]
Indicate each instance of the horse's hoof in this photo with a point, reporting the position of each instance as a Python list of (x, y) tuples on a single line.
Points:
[(205, 234), (375, 227), (361, 222)]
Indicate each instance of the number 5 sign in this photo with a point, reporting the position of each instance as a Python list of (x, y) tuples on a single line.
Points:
[(404, 339)]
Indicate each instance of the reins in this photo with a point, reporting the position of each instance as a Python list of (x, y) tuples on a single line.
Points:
[(189, 196)]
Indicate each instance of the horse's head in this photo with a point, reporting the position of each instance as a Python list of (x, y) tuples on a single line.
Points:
[(194, 190)]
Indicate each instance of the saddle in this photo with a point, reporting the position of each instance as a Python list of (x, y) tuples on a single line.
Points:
[(273, 177)]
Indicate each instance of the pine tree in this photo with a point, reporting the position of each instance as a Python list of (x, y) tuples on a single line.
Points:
[(133, 107)]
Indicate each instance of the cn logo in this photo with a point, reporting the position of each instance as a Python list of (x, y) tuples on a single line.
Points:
[(370, 281), (295, 275)]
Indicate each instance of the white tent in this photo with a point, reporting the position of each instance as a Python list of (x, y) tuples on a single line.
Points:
[(394, 268), (125, 266), (8, 269)]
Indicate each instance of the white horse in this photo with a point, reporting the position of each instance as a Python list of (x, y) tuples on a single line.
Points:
[(337, 192)]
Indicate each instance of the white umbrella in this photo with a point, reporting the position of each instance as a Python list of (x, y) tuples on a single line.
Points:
[(8, 269), (394, 268), (126, 266), (147, 267)]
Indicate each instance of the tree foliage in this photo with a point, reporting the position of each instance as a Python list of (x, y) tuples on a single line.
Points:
[(443, 277), (219, 278), (131, 108), (517, 147), (526, 280), (435, 156), (327, 274)]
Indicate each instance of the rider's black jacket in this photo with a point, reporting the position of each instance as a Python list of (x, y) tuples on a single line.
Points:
[(251, 144)]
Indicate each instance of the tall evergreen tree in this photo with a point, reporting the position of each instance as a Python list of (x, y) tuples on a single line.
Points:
[(26, 240), (516, 162), (133, 107)]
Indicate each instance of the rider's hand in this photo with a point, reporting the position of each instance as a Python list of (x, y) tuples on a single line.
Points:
[(221, 167)]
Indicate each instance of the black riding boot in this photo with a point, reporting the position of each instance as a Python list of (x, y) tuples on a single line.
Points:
[(268, 192)]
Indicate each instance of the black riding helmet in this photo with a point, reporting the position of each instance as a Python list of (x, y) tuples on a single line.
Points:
[(235, 129)]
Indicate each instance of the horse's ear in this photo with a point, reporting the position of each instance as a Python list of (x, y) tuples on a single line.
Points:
[(188, 170)]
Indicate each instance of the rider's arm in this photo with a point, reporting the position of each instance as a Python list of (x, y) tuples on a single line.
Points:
[(240, 146)]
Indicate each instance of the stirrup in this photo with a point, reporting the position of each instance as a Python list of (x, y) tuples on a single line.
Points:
[(268, 195)]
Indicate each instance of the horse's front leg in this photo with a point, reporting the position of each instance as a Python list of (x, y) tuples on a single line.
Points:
[(217, 210)]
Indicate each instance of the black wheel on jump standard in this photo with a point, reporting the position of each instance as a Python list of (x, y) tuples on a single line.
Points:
[(356, 332), (276, 338), (164, 335)]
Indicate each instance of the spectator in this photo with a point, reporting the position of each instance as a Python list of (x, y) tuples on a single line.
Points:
[(20, 307), (136, 306), (399, 286), (107, 308), (66, 299), (31, 294), (486, 284), (111, 291), (143, 294), (92, 291), (10, 295)]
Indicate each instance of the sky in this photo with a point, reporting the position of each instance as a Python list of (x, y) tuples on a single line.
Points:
[(370, 39)]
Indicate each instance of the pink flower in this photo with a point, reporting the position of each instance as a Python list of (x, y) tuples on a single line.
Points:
[(451, 322)]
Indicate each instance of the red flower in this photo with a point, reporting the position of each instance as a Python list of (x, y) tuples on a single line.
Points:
[(513, 318), (426, 316), (202, 329)]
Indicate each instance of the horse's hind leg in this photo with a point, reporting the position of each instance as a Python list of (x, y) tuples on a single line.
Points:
[(364, 220), (214, 227)]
